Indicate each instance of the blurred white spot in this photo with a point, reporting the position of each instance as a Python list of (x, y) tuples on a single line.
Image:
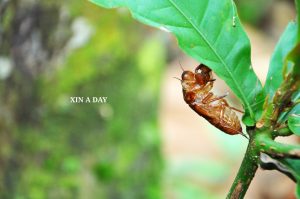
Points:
[(250, 67), (164, 29), (123, 11), (233, 21), (82, 32), (5, 67), (271, 77), (106, 111)]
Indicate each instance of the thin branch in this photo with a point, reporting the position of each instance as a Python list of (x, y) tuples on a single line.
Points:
[(285, 131), (276, 149)]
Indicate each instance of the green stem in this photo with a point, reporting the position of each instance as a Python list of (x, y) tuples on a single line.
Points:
[(246, 172), (275, 149), (284, 131)]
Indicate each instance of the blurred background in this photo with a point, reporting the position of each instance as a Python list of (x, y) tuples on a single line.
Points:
[(145, 142)]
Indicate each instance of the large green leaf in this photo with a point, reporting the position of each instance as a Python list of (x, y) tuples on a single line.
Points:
[(285, 45), (294, 55), (210, 32)]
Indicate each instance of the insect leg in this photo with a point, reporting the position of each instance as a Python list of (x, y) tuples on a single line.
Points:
[(207, 97), (238, 110), (244, 135), (222, 113), (204, 88), (225, 102), (208, 100)]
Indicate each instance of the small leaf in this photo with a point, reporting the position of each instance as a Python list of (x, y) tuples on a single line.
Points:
[(210, 32), (284, 115), (294, 123), (286, 43), (294, 57), (294, 167), (289, 167), (248, 121), (281, 165)]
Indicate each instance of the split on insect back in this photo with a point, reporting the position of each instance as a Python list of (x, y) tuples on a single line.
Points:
[(196, 87)]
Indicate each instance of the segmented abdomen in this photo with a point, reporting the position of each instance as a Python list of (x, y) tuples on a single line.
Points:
[(221, 117)]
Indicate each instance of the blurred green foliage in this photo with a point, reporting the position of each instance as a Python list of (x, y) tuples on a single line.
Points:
[(250, 12), (96, 150)]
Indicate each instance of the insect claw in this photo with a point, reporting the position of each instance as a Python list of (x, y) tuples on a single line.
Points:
[(212, 80), (244, 135)]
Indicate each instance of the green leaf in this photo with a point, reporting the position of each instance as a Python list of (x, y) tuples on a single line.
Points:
[(287, 166), (298, 17), (294, 123), (109, 3), (286, 43), (284, 115), (210, 32), (294, 167), (294, 57)]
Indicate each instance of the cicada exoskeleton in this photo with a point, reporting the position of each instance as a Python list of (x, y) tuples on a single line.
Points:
[(197, 94)]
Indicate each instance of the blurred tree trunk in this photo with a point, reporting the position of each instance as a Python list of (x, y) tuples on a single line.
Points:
[(29, 38)]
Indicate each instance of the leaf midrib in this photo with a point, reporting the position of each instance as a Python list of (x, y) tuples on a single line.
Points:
[(218, 56)]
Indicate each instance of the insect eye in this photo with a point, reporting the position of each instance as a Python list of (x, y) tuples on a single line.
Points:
[(201, 79), (187, 75)]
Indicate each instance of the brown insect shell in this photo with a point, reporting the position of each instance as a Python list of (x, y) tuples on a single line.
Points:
[(202, 78), (190, 82), (202, 68), (204, 75), (196, 86), (188, 76)]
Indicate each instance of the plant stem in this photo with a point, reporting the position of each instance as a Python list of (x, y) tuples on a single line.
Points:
[(285, 131), (275, 149), (246, 172)]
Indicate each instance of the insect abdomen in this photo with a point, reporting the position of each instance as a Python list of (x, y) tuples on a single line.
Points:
[(228, 122)]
